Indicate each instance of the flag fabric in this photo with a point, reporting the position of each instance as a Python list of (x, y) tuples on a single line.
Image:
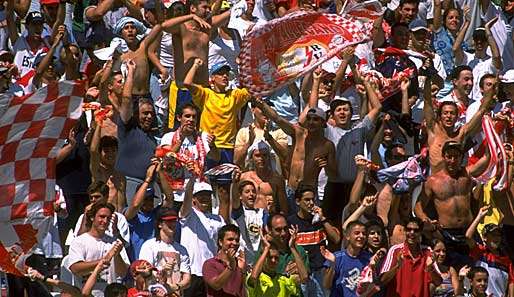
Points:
[(275, 54), (221, 169), (365, 10), (406, 175), (497, 167), (32, 130)]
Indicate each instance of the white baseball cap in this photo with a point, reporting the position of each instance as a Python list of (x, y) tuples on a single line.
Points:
[(201, 187)]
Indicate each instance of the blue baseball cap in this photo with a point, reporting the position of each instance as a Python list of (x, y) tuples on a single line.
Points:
[(218, 67)]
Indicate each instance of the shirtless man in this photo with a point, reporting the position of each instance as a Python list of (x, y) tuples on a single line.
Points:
[(128, 28), (451, 189), (443, 128), (191, 40), (312, 151), (269, 183)]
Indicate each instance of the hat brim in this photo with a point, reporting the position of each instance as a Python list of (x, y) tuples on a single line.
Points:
[(224, 67)]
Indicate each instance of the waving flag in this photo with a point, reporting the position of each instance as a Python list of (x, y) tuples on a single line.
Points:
[(32, 130), (497, 166), (275, 54), (365, 10)]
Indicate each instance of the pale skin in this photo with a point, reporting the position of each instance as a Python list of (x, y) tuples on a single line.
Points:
[(442, 128)]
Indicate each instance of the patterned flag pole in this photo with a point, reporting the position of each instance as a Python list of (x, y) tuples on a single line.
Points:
[(32, 130)]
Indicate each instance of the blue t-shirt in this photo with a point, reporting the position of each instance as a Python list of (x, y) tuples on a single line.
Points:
[(347, 272), (141, 229), (443, 43), (135, 149)]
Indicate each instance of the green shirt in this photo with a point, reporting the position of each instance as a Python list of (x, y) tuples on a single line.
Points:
[(277, 286), (286, 257)]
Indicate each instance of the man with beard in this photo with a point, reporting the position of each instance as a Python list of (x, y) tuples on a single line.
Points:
[(408, 268), (450, 189), (443, 128)]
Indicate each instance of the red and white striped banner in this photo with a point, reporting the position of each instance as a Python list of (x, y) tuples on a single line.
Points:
[(275, 54), (497, 166), (32, 130)]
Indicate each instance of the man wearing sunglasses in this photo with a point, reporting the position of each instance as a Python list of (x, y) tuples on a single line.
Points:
[(408, 269)]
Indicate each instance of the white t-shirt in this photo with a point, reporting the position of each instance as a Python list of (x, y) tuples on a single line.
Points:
[(188, 148), (86, 248), (249, 221), (502, 33), (159, 252), (480, 68), (122, 224), (199, 235), (166, 54), (224, 50)]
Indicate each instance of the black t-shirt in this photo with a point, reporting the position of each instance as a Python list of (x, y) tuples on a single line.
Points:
[(310, 237)]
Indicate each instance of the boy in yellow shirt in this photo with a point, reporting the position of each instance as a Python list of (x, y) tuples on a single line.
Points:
[(219, 107)]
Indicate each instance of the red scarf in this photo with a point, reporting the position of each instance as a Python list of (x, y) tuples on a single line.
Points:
[(174, 162)]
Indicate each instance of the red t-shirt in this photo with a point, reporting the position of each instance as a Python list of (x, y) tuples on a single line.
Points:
[(233, 288), (411, 278)]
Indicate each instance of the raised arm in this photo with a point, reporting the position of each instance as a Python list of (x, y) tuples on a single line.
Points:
[(59, 21), (220, 19), (139, 197), (474, 125), (482, 213), (187, 204), (438, 16), (91, 280), (347, 55), (11, 24), (190, 75), (367, 202), (126, 107), (48, 58), (287, 127), (96, 13), (457, 45), (480, 166), (376, 106), (94, 153), (497, 59), (300, 265), (428, 107)]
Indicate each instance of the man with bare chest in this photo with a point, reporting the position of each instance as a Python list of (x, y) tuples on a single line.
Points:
[(131, 30), (268, 182), (443, 128), (311, 150), (451, 190)]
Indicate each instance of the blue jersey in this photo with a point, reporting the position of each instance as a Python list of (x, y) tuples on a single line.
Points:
[(347, 272)]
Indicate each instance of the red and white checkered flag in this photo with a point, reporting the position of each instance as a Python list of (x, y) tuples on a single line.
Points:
[(32, 130)]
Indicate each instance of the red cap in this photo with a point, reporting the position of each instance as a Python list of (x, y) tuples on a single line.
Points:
[(49, 2)]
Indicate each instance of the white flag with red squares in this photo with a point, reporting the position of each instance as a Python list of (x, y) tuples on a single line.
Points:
[(32, 130)]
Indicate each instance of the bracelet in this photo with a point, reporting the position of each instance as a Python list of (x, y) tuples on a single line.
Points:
[(148, 181)]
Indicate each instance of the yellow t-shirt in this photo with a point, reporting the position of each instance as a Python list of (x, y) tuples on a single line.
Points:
[(219, 113), (279, 286)]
